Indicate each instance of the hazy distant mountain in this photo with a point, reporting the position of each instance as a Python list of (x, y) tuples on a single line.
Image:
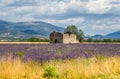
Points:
[(27, 29), (114, 35), (98, 36)]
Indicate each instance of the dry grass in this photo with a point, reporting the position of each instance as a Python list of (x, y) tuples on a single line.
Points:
[(106, 68), (15, 69)]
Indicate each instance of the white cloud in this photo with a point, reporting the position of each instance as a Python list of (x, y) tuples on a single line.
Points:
[(61, 7), (7, 1), (22, 9), (98, 6), (51, 9), (3, 13), (66, 22), (104, 27)]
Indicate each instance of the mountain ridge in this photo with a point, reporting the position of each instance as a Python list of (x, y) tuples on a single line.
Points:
[(27, 29), (113, 35)]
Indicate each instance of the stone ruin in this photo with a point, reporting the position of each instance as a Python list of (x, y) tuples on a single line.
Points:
[(57, 37)]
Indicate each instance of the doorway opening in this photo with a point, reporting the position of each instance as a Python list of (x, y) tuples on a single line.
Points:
[(56, 41)]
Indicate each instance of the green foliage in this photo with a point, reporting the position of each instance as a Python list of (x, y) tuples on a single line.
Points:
[(101, 40), (90, 40), (20, 54), (107, 40), (50, 72), (80, 35), (116, 40), (33, 39), (97, 40), (37, 40), (72, 29)]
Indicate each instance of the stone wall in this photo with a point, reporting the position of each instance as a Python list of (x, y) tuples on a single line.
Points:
[(56, 37), (69, 38)]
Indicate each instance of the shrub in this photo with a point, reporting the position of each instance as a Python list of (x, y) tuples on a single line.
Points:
[(50, 72), (20, 54)]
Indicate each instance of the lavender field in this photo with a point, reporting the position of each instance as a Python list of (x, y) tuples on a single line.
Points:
[(46, 52)]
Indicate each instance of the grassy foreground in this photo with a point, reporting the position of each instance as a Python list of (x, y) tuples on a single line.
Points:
[(92, 68)]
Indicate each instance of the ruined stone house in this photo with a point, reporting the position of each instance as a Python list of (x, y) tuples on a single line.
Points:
[(57, 37)]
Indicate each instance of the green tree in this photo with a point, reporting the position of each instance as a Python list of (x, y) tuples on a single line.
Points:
[(72, 29), (89, 39), (80, 35)]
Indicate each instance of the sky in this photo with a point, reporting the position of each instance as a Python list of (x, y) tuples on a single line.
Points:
[(92, 16)]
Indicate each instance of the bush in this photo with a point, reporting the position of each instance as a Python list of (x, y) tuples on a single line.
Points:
[(50, 72), (19, 54)]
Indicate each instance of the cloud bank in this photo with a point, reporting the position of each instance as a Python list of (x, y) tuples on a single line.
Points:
[(93, 16)]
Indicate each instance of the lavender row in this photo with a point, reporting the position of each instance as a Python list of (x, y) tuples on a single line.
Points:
[(40, 52)]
